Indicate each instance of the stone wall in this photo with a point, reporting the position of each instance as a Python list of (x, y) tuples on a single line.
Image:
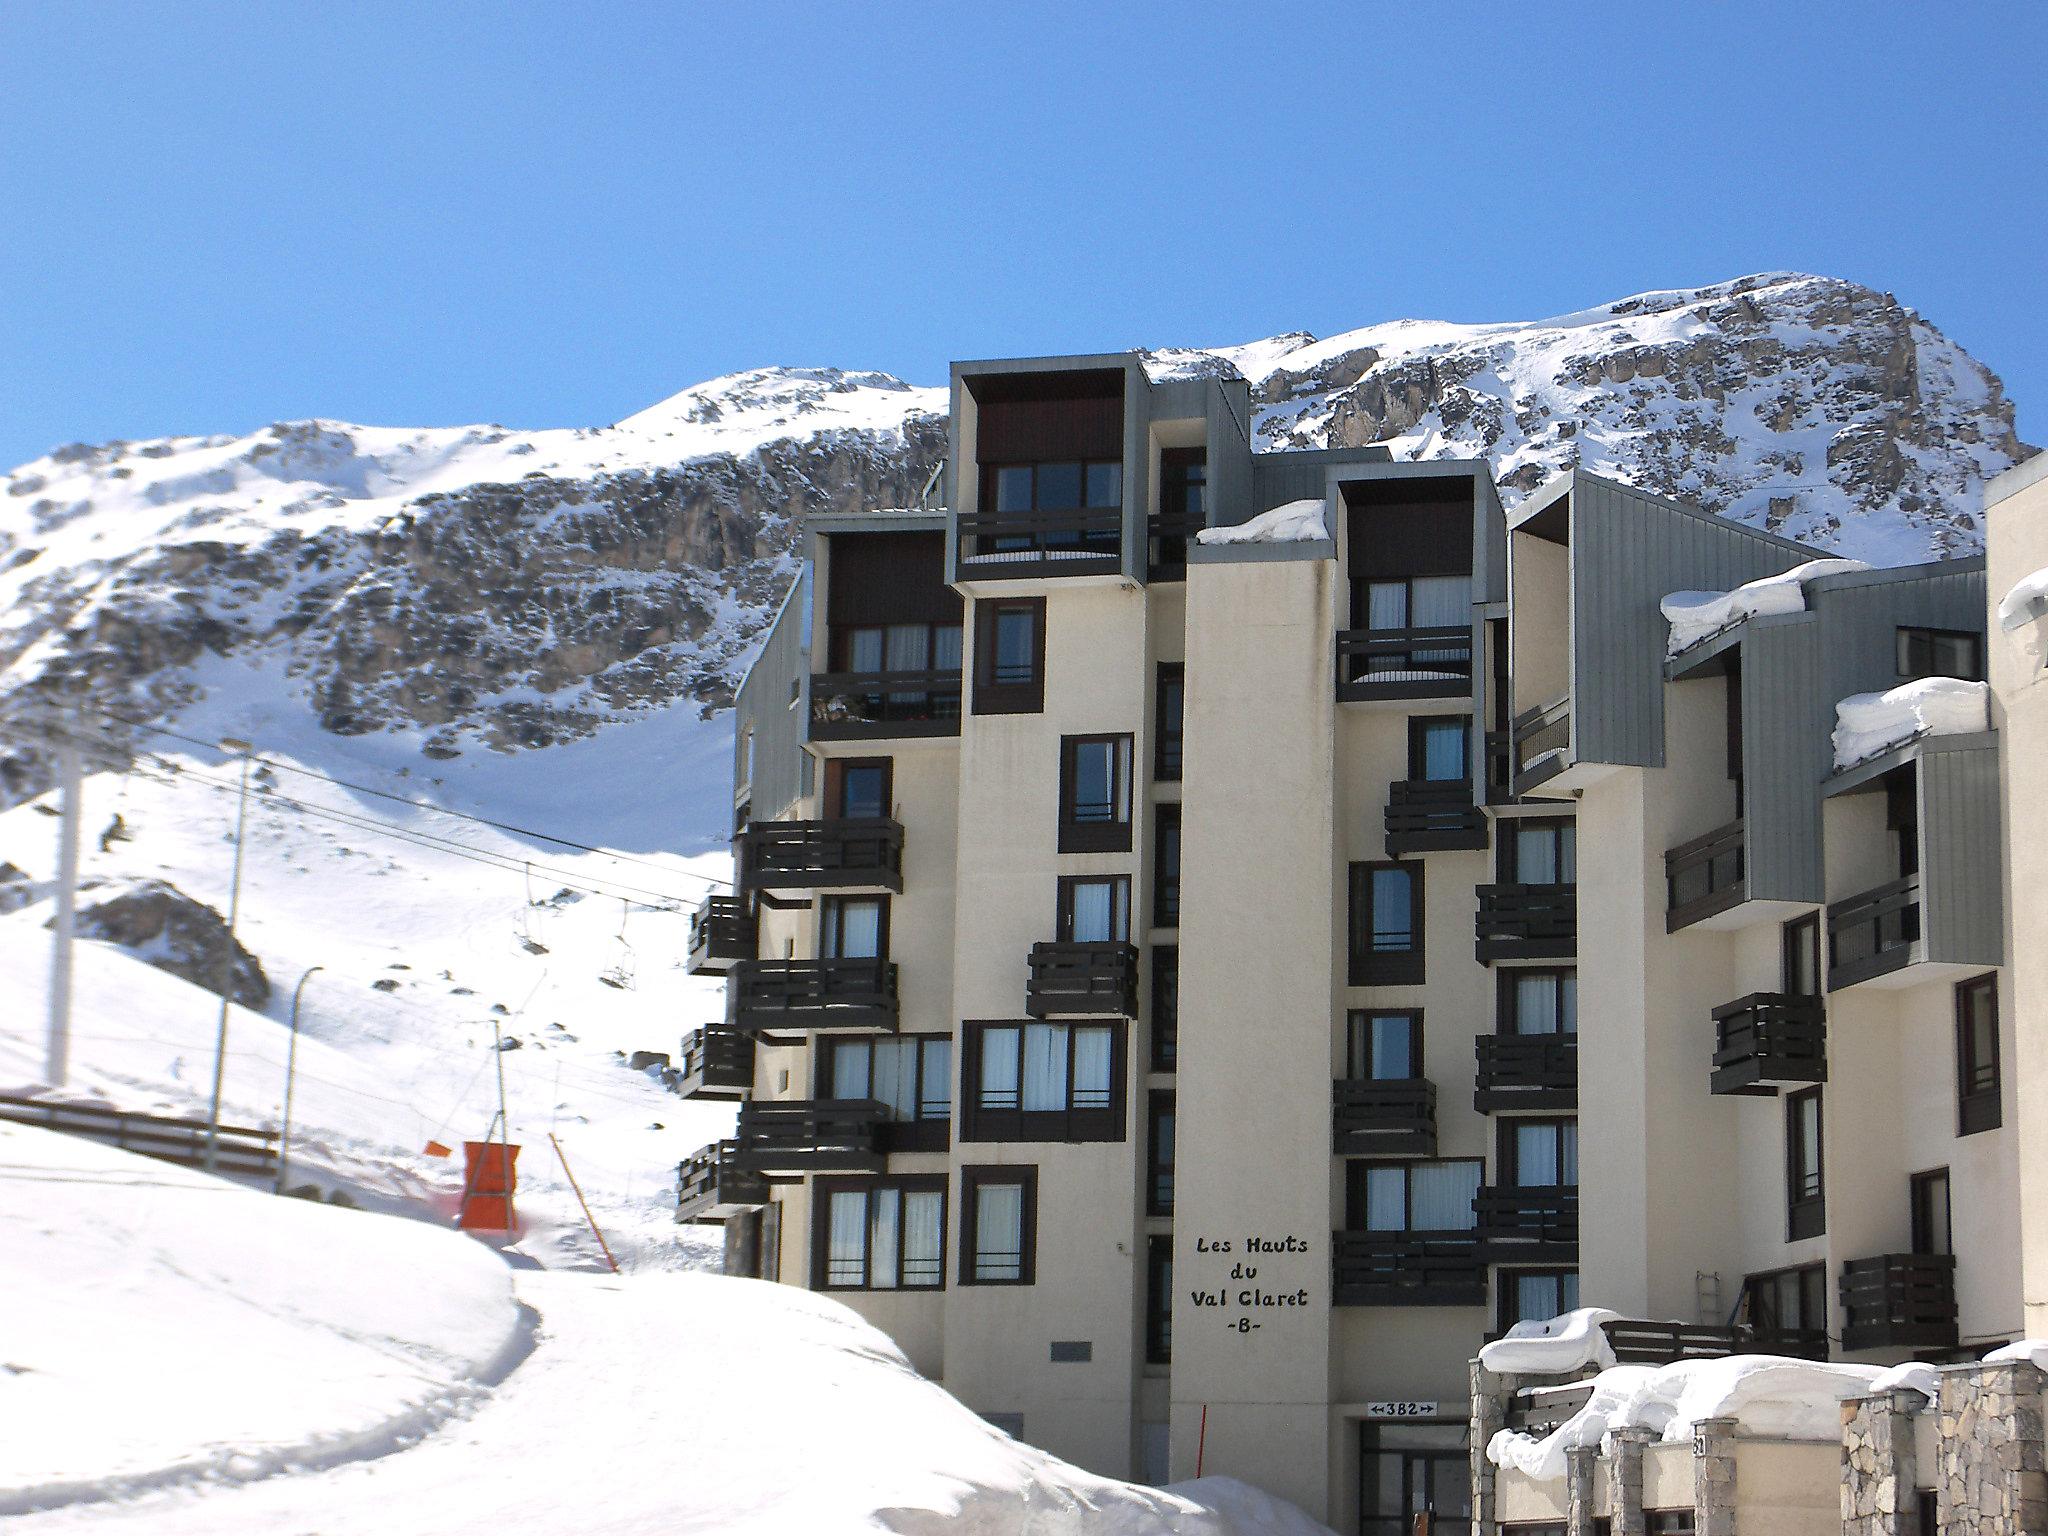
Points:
[(1880, 1481), (1991, 1480)]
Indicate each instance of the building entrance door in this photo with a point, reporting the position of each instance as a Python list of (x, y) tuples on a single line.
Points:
[(1408, 1469)]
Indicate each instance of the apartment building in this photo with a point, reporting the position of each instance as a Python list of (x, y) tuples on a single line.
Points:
[(1155, 980)]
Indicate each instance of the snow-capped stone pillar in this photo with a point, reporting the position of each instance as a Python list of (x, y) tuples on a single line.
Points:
[(1492, 1396), (1581, 1464), (1625, 1481), (1879, 1478), (1993, 1478), (1713, 1477)]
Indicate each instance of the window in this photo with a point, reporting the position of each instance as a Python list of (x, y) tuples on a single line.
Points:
[(1932, 1230), (1059, 486), (1540, 853), (1183, 507), (880, 1235), (858, 788), (1009, 656), (1413, 1197), (1383, 1045), (1805, 1199), (1159, 1153), (1977, 1081), (1166, 867), (1941, 653), (1420, 602), (1536, 1295), (1172, 703), (746, 755), (1386, 924), (1408, 1469), (1539, 1001), (1667, 1522), (1800, 972), (998, 1239), (853, 927), (868, 648), (1094, 909), (1044, 1082), (1539, 1154), (1788, 1309), (1165, 1006), (1159, 1300), (1439, 749), (912, 1074), (1095, 794)]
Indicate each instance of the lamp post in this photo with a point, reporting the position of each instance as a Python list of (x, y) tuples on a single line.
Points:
[(227, 954), (291, 1062)]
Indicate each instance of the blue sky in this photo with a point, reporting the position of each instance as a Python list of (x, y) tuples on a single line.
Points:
[(220, 215)]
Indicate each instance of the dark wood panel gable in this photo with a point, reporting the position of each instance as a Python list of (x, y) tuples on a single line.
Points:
[(1410, 527), (889, 578), (1025, 419)]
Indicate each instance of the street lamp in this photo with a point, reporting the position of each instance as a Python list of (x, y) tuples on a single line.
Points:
[(291, 1062), (227, 955)]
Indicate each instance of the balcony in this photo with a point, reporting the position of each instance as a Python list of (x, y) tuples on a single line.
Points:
[(1528, 1224), (1705, 877), (1407, 1269), (1433, 815), (873, 706), (1900, 1301), (822, 855), (717, 1063), (710, 1188), (1540, 744), (1769, 1039), (788, 1138), (777, 995), (1873, 934), (1044, 543), (1385, 1116), (1070, 979), (722, 931), (1650, 1343), (1526, 1072), (1526, 922), (1434, 663)]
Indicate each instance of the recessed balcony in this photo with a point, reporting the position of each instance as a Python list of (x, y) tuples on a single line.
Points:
[(1433, 815), (1077, 979), (1526, 922), (1874, 933), (1769, 1040), (1046, 542), (1540, 744), (1429, 663), (766, 996), (822, 855), (1528, 1224), (1900, 1301), (1407, 1269), (722, 930), (788, 1138), (1384, 1116), (1705, 877), (710, 1188), (717, 1063), (873, 706), (1526, 1072)]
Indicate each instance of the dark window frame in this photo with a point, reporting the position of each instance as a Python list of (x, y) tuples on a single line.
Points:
[(821, 1227), (1806, 1211), (840, 646), (1180, 471), (1508, 1151), (973, 1176), (1811, 1282), (1510, 856), (1373, 967), (1063, 906), (1906, 636), (1800, 938), (835, 783), (1165, 881), (1073, 1124), (1919, 1187), (925, 1131), (1504, 1290), (1356, 1033), (992, 469), (1167, 744), (1159, 1299), (992, 697), (1164, 1011), (1419, 729), (1357, 1170), (1980, 1084), (1507, 1018), (1096, 835), (830, 909), (1159, 1103)]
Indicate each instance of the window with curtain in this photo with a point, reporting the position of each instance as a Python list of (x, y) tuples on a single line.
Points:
[(853, 927), (1543, 853), (1166, 868), (1386, 924), (1094, 909), (1439, 749), (1541, 1154), (898, 648), (1095, 794), (1788, 1308), (881, 1234), (1159, 1153), (997, 1247), (1042, 492), (1539, 1001), (858, 788), (1165, 1006), (1009, 656), (1168, 726), (1536, 1295), (1399, 604), (1415, 1197), (912, 1074), (1805, 1187), (1383, 1046), (1977, 1076), (1045, 1082)]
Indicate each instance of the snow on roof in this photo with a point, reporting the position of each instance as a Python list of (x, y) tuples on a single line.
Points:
[(2027, 601), (1867, 724), (1291, 523), (1694, 616), (1553, 1346)]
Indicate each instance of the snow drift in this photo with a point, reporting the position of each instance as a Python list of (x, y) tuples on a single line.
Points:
[(1553, 1346), (1294, 522), (1869, 723), (1694, 616)]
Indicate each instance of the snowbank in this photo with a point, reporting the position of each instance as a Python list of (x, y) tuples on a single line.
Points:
[(1869, 723), (2032, 1351), (163, 1326), (1554, 1347), (1696, 615), (1769, 1395), (2018, 613), (1295, 522)]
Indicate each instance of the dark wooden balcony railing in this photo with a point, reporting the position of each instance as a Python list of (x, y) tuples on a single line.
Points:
[(1526, 1072), (1407, 1269), (1404, 663), (1704, 876), (1541, 743), (1650, 1343), (822, 855), (717, 1063), (868, 706), (710, 1188), (1428, 815), (1384, 1115), (1526, 922), (1065, 543), (1873, 933), (1170, 534), (1899, 1301), (1500, 767), (722, 930), (769, 995), (1521, 1223), (787, 1138), (1082, 979), (1767, 1039)]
